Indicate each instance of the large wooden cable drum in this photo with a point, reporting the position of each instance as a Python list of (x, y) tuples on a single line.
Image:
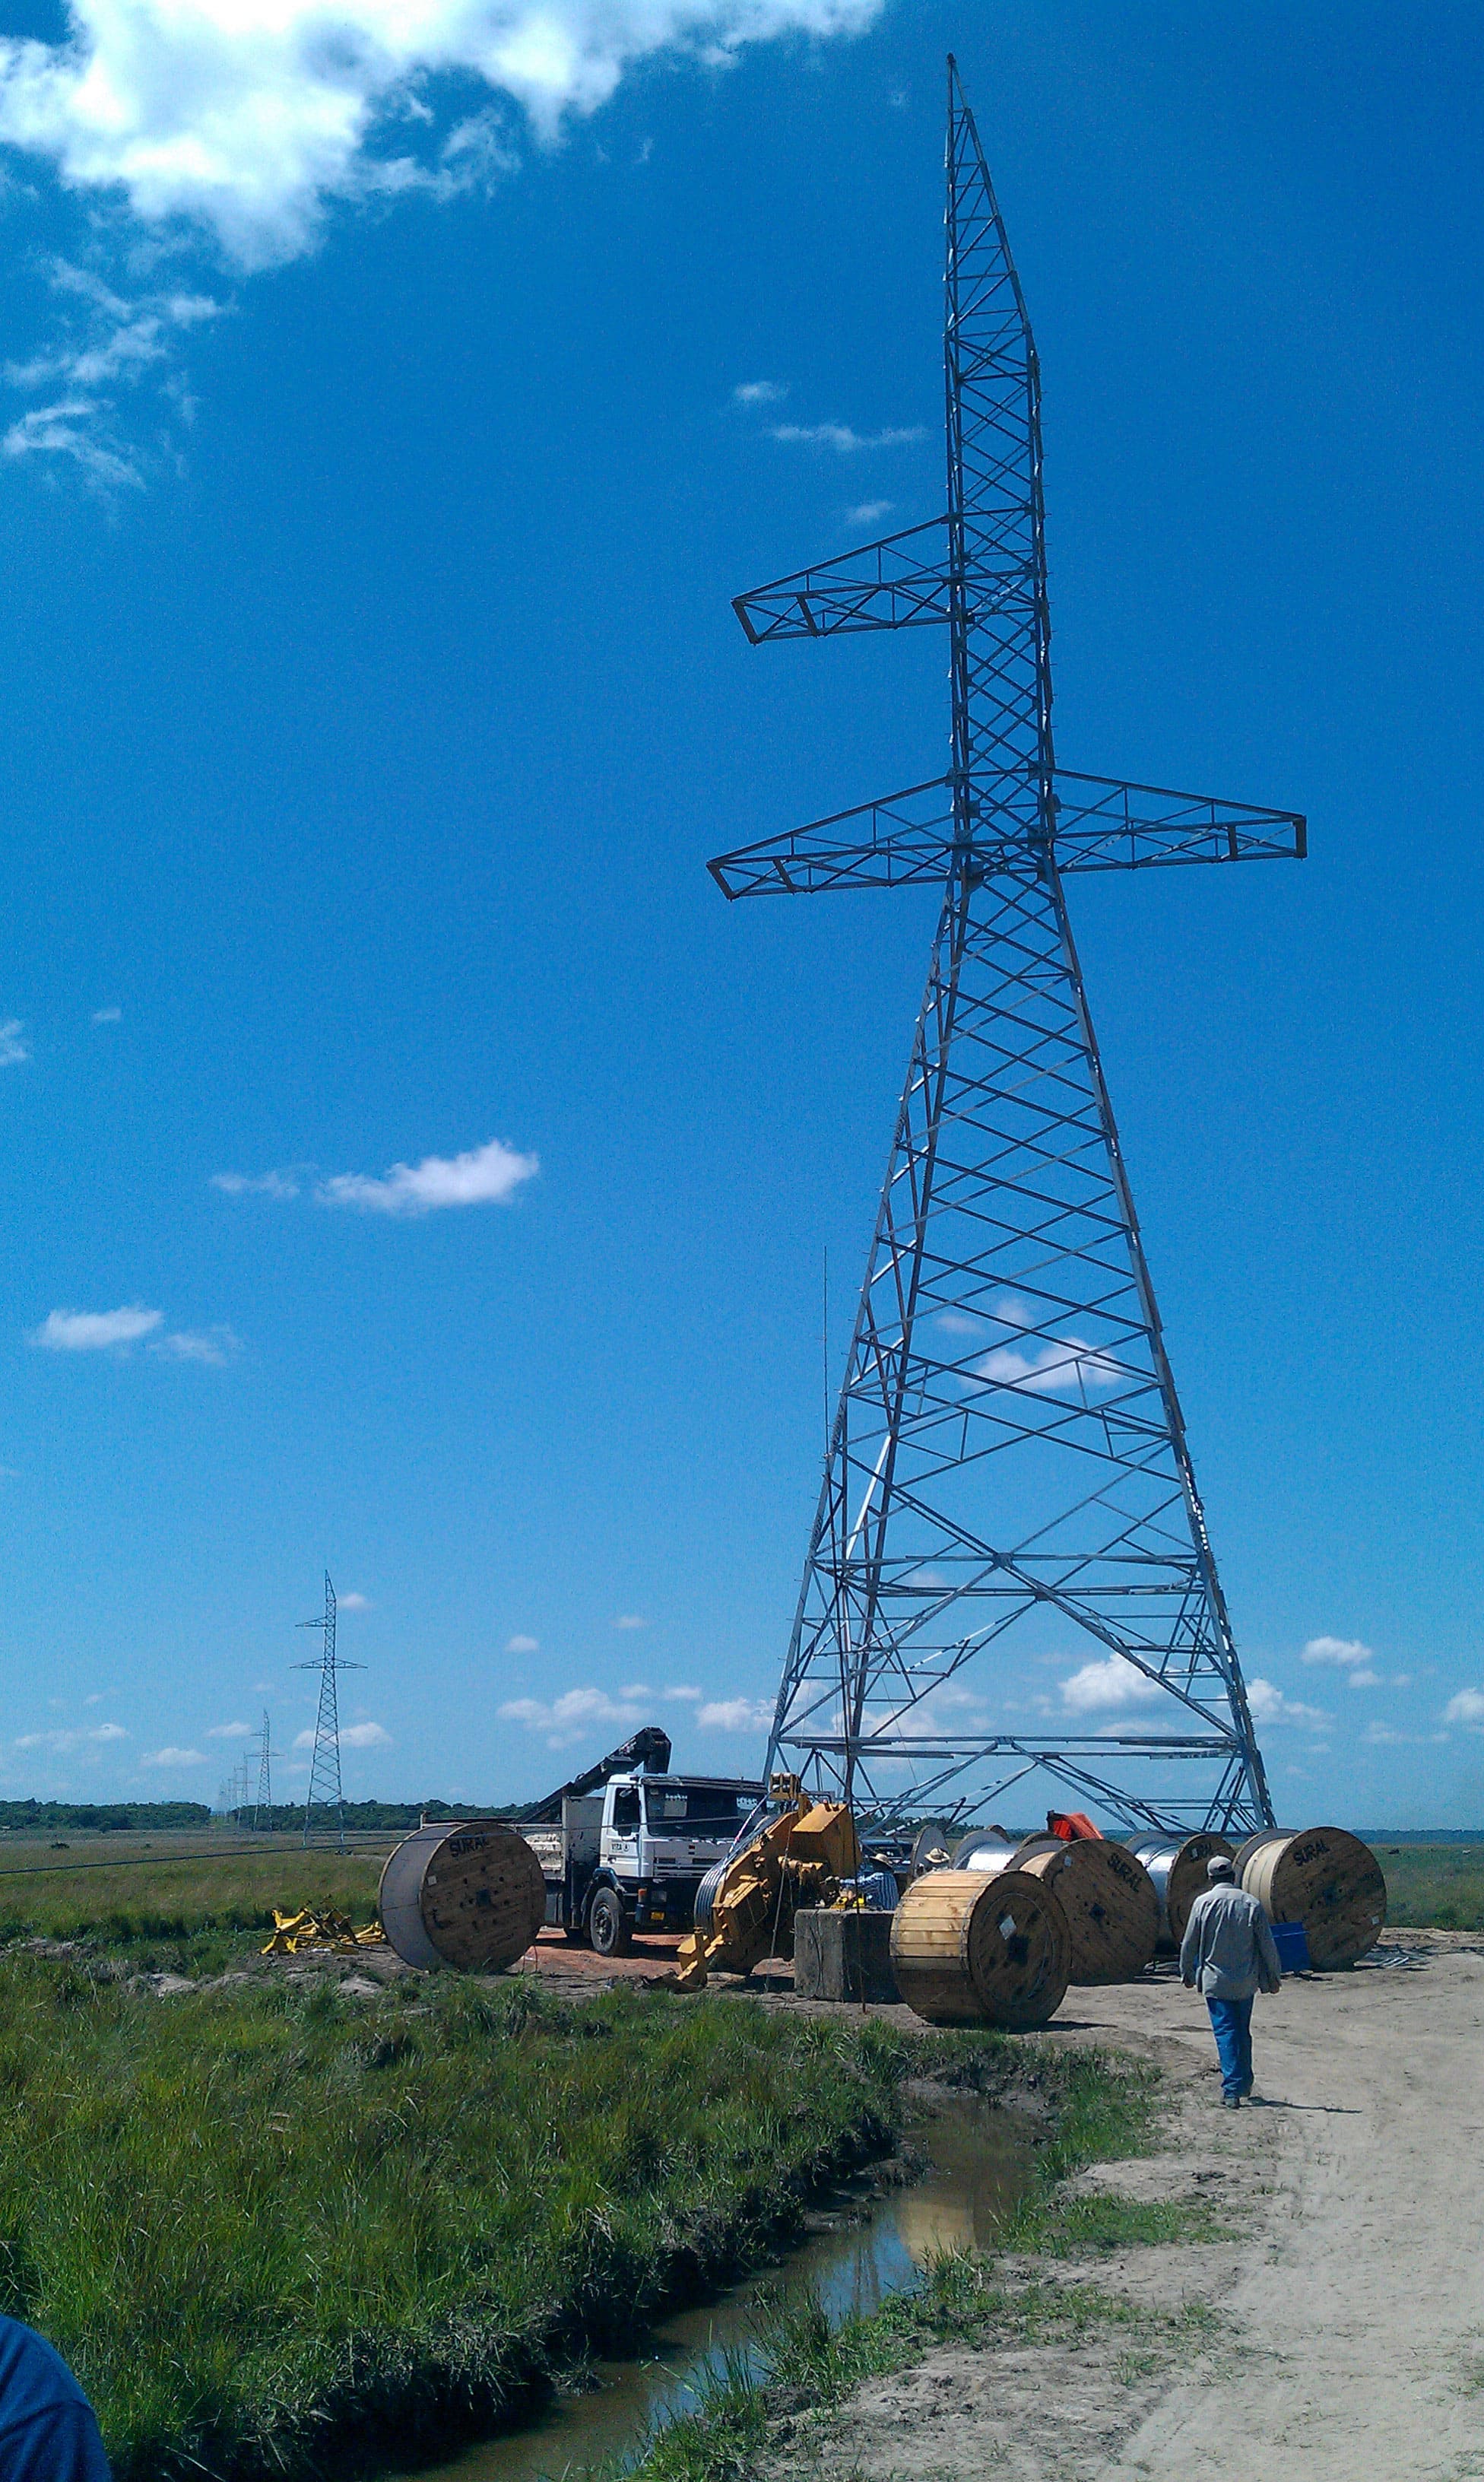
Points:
[(1109, 1901), (1327, 1879), (465, 1893), (1178, 1869), (977, 1948)]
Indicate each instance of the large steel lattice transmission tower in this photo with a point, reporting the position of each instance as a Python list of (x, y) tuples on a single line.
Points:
[(1009, 1570), (324, 1791)]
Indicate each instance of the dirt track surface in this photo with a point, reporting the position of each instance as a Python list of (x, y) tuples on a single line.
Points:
[(1348, 2341)]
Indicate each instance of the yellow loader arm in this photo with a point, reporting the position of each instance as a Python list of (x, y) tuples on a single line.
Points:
[(799, 1858)]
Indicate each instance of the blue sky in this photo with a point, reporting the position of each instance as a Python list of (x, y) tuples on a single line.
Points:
[(453, 1165)]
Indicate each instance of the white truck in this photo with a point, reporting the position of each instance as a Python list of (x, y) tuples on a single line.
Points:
[(624, 1847)]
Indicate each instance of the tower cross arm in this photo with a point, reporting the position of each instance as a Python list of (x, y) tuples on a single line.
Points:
[(1102, 824), (911, 839), (902, 840), (902, 582)]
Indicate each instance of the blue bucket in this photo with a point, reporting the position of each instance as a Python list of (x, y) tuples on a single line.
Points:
[(1291, 1941)]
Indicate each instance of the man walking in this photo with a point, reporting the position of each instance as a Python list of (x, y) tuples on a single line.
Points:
[(1228, 1954)]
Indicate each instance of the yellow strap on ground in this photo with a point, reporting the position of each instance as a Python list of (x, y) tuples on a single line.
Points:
[(319, 1927)]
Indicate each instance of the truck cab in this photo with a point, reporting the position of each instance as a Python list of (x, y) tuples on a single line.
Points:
[(631, 1855)]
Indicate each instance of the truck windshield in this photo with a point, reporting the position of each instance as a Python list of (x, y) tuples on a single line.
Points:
[(695, 1809)]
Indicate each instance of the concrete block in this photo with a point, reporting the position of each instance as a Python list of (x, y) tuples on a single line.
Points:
[(845, 1956)]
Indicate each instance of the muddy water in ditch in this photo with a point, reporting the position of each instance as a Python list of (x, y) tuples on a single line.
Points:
[(979, 2161)]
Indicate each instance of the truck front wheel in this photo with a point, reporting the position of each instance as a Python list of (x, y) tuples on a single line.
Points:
[(608, 1927)]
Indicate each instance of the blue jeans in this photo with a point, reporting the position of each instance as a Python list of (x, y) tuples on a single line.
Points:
[(1230, 2021)]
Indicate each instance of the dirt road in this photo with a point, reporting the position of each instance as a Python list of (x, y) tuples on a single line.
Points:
[(1348, 2343)]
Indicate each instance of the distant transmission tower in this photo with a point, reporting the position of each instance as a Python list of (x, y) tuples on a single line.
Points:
[(324, 1793), (262, 1805), (1009, 1491), (234, 1793)]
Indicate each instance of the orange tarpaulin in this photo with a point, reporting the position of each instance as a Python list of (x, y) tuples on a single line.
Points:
[(1071, 1826)]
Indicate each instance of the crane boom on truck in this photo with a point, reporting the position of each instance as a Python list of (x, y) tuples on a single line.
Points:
[(624, 1846)]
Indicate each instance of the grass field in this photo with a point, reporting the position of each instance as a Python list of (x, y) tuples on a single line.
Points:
[(186, 1902), (1434, 1887), (277, 2230)]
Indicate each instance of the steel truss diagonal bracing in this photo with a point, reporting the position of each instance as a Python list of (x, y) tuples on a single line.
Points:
[(1009, 1574)]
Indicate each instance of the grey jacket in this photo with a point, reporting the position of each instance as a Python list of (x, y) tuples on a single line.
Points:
[(1228, 1949)]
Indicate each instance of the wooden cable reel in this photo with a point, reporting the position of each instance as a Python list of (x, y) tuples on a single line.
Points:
[(1325, 1878), (468, 1892), (1109, 1901), (1178, 1869), (971, 1947)]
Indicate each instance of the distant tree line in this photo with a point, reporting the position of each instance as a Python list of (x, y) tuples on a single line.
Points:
[(284, 1815), (31, 1815)]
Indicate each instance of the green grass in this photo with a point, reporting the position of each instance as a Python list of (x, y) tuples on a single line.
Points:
[(1434, 1887), (173, 1903), (1102, 2109), (277, 2230)]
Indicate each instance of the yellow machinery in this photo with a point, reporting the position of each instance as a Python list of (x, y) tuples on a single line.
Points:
[(799, 1858)]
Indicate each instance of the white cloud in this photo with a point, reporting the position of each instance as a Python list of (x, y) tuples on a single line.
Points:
[(1270, 1705), (260, 1184), (1347, 1652), (107, 1017), (248, 119), (230, 1732), (870, 513), (684, 1694), (72, 429), (1116, 1682), (1466, 1708), (760, 392), (14, 1047), (352, 1736), (1382, 1736), (735, 1715), (486, 1177), (568, 1717), (1066, 1363), (215, 1344), (522, 1646), (96, 1330), (62, 1742), (102, 342), (839, 435), (1362, 1680), (353, 1603), (630, 1621), (172, 1758)]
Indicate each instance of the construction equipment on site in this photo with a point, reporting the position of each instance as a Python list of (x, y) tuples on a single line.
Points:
[(1325, 1878), (1176, 1865), (745, 1906), (625, 1846), (971, 1947), (1009, 1476), (319, 1926), (648, 1749), (465, 1893)]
